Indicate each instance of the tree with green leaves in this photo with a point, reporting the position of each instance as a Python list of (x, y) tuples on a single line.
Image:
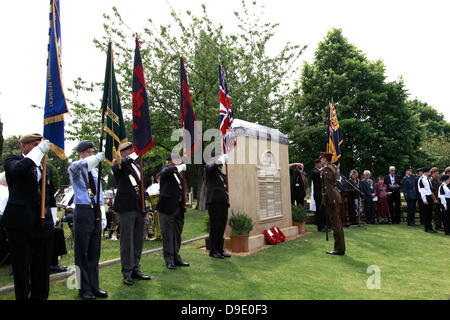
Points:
[(379, 129)]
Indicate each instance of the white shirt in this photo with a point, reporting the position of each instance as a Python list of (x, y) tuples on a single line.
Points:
[(426, 190), (445, 195), (153, 189), (4, 195), (392, 179)]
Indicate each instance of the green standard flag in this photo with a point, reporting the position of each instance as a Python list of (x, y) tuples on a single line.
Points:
[(115, 127)]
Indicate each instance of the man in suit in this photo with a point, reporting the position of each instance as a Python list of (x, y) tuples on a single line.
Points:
[(128, 205), (317, 195), (28, 236), (298, 182), (409, 191), (86, 229), (216, 200), (393, 182), (369, 191), (331, 200), (171, 208), (426, 192)]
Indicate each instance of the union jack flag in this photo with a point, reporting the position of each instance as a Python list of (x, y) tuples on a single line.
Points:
[(226, 116)]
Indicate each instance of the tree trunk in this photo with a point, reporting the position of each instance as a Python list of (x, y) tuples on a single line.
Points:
[(200, 189)]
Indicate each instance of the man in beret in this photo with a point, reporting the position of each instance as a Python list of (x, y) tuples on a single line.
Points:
[(435, 184), (216, 200), (419, 198), (171, 208), (409, 191), (28, 237), (425, 190), (87, 231), (128, 205), (331, 199)]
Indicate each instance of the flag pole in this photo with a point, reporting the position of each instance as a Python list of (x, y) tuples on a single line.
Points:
[(99, 178), (182, 153), (44, 175), (142, 186)]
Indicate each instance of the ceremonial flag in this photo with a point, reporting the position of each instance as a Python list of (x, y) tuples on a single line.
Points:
[(334, 136), (115, 127), (55, 101), (226, 116), (187, 115), (142, 128)]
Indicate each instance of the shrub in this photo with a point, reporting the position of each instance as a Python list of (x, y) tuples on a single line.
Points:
[(240, 223), (298, 214)]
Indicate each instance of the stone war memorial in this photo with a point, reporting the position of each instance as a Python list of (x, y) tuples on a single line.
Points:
[(258, 178)]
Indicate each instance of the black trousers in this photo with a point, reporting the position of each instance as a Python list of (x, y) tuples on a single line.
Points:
[(319, 214), (428, 213), (411, 209), (419, 200), (394, 207), (87, 244), (30, 259), (171, 229), (297, 196), (446, 217), (218, 216), (58, 245), (369, 207)]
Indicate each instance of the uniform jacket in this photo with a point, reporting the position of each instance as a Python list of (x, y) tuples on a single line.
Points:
[(170, 192), (435, 184), (387, 181), (317, 181), (216, 190), (330, 194), (297, 185), (127, 198), (409, 188), (22, 212)]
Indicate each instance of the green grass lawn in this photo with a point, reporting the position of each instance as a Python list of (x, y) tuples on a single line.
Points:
[(413, 264)]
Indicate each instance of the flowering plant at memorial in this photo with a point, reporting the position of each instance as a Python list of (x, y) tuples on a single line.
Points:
[(271, 237), (278, 233)]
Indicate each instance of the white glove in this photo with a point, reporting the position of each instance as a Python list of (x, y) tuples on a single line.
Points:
[(36, 155), (93, 161), (54, 212), (222, 160), (133, 156), (181, 167), (102, 209), (44, 146)]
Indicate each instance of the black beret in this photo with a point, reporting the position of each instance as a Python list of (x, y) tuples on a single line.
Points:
[(84, 145), (426, 169), (444, 177), (419, 170), (408, 168)]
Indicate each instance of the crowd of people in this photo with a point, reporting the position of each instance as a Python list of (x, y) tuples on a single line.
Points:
[(378, 201)]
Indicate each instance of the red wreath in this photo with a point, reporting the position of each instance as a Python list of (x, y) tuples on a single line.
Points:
[(271, 237), (278, 233)]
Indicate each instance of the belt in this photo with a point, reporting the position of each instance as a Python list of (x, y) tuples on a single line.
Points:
[(84, 206)]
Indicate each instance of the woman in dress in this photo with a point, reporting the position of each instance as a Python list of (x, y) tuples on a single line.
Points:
[(382, 203)]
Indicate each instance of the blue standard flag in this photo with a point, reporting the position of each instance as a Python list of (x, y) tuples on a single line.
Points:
[(55, 101), (142, 128)]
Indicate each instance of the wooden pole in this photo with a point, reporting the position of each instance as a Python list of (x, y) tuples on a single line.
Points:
[(43, 188), (99, 178), (141, 168)]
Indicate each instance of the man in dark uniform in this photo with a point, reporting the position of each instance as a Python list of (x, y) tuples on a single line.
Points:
[(298, 182), (217, 203), (317, 190), (87, 234), (331, 200), (435, 184), (171, 208), (393, 182), (28, 237), (128, 205), (409, 191), (425, 191)]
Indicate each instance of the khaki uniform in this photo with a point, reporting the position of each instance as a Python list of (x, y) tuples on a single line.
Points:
[(437, 215), (331, 200)]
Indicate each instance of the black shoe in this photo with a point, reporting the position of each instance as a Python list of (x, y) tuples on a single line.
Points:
[(140, 275), (182, 264), (431, 231), (225, 255), (100, 293), (338, 253), (170, 266), (87, 295), (128, 281), (216, 255), (322, 230)]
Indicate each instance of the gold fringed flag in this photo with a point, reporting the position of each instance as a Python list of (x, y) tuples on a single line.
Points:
[(334, 136), (115, 127)]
